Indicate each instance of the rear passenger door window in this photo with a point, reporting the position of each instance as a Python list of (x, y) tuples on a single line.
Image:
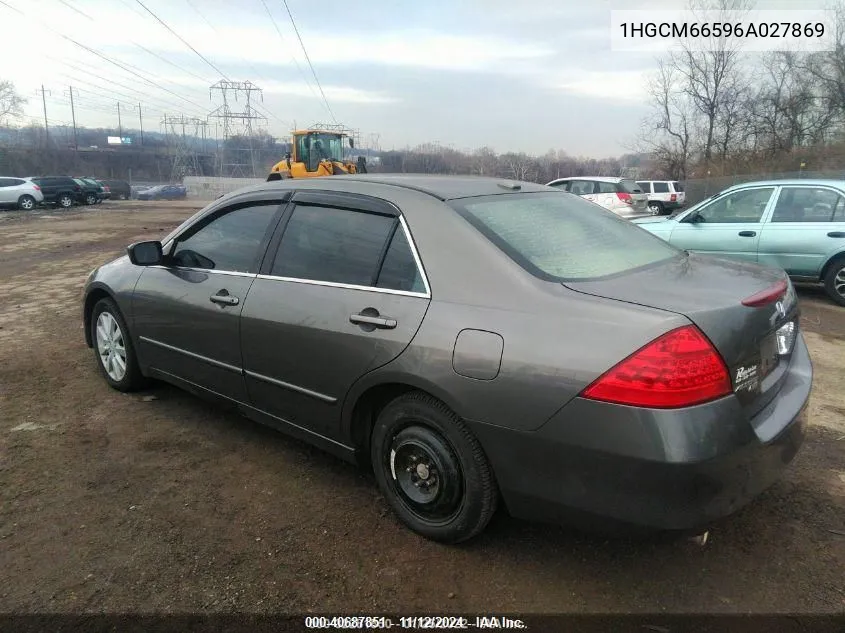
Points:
[(231, 242), (661, 187), (333, 245)]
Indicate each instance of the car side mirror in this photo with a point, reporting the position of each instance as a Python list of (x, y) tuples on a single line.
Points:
[(145, 253)]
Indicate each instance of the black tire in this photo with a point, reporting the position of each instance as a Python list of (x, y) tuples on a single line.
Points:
[(655, 207), (90, 198), (834, 281), (27, 203), (65, 201), (449, 459), (132, 379)]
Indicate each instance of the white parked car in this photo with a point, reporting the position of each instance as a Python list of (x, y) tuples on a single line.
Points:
[(620, 195), (20, 193), (664, 196)]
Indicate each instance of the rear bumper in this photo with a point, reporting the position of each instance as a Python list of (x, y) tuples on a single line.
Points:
[(594, 463)]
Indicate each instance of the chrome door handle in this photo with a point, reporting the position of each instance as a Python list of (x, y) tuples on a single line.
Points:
[(224, 299), (378, 321)]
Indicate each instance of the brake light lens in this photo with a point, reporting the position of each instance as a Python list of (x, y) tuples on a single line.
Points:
[(625, 197), (679, 369), (767, 296), (673, 197), (36, 187)]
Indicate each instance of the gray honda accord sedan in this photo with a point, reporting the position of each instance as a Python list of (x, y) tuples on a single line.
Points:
[(476, 342)]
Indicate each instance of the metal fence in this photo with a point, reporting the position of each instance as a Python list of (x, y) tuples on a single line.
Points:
[(699, 188)]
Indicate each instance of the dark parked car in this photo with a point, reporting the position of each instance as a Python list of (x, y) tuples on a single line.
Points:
[(164, 192), (120, 189), (90, 191), (472, 340), (62, 191)]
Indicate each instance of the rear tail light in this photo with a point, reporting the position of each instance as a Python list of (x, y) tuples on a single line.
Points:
[(36, 187), (673, 197), (679, 369), (625, 197), (767, 296)]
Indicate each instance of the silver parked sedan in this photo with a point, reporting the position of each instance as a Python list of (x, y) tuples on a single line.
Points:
[(473, 341)]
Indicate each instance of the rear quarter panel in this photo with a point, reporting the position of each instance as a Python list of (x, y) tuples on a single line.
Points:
[(555, 340)]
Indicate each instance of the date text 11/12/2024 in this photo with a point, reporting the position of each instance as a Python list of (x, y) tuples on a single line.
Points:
[(413, 622)]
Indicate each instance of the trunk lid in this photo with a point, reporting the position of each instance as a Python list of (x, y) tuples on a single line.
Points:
[(709, 291)]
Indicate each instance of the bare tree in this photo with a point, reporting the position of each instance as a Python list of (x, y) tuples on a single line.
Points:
[(668, 133), (712, 75), (11, 103)]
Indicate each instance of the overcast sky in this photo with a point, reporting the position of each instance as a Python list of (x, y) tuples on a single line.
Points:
[(527, 75)]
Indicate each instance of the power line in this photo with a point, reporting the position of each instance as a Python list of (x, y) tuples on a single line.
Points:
[(308, 59), (141, 46), (284, 45), (101, 55), (181, 39)]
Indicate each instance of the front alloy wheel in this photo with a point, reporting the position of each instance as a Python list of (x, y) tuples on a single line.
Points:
[(113, 347)]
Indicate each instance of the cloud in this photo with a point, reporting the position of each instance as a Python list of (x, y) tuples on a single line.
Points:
[(625, 86)]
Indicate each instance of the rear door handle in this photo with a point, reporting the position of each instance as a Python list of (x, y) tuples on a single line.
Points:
[(747, 233), (836, 234), (224, 298), (378, 321)]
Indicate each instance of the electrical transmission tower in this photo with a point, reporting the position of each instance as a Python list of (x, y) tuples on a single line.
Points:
[(240, 121), (182, 134)]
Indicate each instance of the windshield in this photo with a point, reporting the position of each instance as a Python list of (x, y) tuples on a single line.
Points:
[(316, 146), (563, 237)]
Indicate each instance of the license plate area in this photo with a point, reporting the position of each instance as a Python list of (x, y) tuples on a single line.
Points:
[(769, 356)]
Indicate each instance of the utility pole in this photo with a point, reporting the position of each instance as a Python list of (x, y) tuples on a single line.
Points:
[(119, 124), (43, 94), (73, 116), (141, 122)]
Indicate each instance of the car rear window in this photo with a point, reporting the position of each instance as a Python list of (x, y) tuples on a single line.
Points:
[(679, 187), (629, 186), (563, 237)]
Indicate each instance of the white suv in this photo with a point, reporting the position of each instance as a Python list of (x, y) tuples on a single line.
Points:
[(620, 195), (664, 196), (20, 193)]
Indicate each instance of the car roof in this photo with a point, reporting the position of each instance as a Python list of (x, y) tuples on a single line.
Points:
[(438, 186), (830, 182), (597, 178)]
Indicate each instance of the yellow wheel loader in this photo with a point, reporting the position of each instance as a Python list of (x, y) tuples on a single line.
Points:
[(317, 153)]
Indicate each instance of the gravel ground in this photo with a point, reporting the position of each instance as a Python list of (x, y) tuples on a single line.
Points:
[(157, 502)]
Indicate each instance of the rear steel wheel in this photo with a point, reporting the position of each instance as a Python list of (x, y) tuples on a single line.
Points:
[(431, 469)]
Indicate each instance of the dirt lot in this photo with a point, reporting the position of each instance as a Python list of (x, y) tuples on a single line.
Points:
[(157, 502)]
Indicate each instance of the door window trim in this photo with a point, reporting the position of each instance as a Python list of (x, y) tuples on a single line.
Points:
[(205, 220), (334, 200), (767, 218), (764, 218)]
